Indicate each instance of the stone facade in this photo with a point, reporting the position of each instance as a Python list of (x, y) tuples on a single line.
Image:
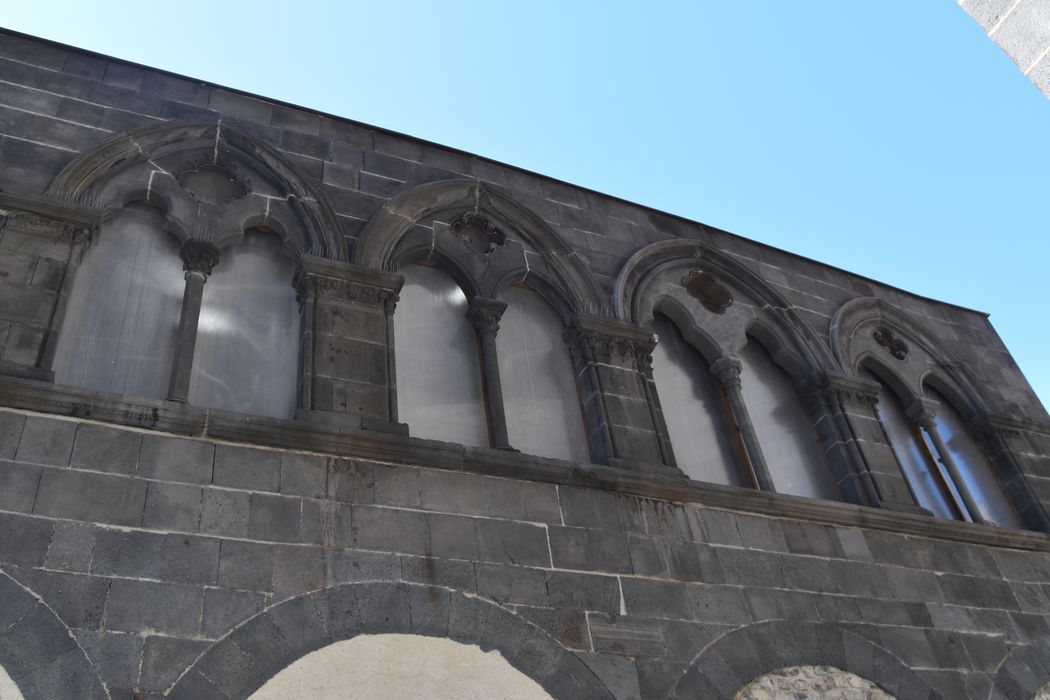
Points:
[(154, 548), (1021, 28)]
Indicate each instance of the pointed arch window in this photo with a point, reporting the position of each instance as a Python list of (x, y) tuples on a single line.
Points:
[(438, 369), (694, 408), (148, 317), (540, 399), (788, 439)]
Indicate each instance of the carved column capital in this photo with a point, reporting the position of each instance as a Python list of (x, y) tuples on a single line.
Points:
[(332, 280), (924, 412), (199, 257), (485, 314), (727, 371), (610, 343)]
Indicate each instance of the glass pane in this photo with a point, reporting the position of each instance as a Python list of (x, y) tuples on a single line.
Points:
[(912, 455), (992, 502), (539, 383), (438, 372), (123, 313), (247, 352), (789, 442), (694, 410)]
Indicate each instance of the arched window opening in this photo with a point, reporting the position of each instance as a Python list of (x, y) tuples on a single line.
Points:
[(993, 505), (123, 313), (248, 332), (788, 439), (438, 371), (694, 409), (539, 387), (929, 483)]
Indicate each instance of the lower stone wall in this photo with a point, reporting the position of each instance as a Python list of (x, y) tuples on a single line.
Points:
[(151, 548)]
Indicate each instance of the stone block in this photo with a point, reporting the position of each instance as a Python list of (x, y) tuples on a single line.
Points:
[(617, 673), (18, 484), (568, 627), (810, 538), (106, 449), (448, 492), (661, 599), (10, 432), (513, 585), (275, 518), (245, 565), (458, 575), (144, 606), (453, 537), (351, 566), (164, 659), (246, 468), (46, 441), (351, 481), (172, 507), (396, 486), (176, 459), (78, 600), (750, 568), (626, 636), (297, 570), (570, 548), (429, 610), (303, 475), (71, 548), (583, 592), (87, 496), (224, 609), (719, 604), (391, 530), (181, 558), (116, 656), (225, 512), (509, 542), (648, 556)]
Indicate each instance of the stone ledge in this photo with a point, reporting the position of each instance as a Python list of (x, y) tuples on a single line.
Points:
[(30, 395)]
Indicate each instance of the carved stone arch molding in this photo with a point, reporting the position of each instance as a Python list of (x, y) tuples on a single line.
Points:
[(733, 660), (1023, 673), (868, 331), (239, 663), (660, 270), (402, 230), (38, 651), (146, 164)]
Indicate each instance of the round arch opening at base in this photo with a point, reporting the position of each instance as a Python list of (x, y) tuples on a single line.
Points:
[(400, 666)]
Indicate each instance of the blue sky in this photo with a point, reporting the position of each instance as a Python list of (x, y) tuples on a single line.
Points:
[(889, 138)]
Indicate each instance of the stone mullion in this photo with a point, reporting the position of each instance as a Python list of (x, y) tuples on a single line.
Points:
[(727, 370), (306, 295), (390, 299), (485, 315), (199, 258), (925, 414), (644, 359)]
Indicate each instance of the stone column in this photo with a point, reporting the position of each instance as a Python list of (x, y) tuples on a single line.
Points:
[(41, 243), (614, 377), (727, 370), (347, 345), (1016, 448), (485, 315), (198, 260), (924, 412)]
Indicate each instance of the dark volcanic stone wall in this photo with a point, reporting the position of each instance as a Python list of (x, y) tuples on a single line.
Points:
[(161, 550)]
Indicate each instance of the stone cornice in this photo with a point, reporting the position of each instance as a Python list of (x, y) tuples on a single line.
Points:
[(76, 215)]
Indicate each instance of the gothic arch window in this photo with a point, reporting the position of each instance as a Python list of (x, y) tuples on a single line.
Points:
[(248, 331), (123, 313), (536, 374), (438, 369), (139, 295), (910, 444), (694, 407), (785, 432), (971, 467)]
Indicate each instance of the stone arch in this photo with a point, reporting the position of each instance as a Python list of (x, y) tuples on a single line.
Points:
[(1023, 673), (37, 650), (239, 663), (378, 245), (853, 345), (113, 171), (786, 332), (730, 662)]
